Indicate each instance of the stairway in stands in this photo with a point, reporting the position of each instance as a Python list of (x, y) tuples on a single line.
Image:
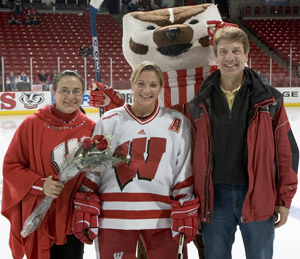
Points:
[(279, 35)]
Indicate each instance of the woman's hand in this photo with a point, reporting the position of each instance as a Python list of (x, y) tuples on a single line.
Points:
[(52, 188)]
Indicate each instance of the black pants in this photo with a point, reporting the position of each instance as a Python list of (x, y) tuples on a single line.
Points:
[(73, 249)]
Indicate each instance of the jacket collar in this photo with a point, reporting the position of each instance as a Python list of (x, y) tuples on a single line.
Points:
[(259, 91)]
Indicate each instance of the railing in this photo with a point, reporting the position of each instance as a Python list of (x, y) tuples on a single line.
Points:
[(286, 78), (111, 77)]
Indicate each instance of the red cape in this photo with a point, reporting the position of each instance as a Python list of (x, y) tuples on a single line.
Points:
[(28, 158)]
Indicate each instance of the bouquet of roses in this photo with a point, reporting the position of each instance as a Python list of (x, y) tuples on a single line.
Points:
[(90, 155)]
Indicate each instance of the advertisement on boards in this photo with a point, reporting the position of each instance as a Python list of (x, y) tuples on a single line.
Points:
[(29, 102), (291, 95), (23, 101)]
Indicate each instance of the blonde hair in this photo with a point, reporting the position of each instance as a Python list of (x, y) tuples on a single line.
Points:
[(147, 66), (231, 33)]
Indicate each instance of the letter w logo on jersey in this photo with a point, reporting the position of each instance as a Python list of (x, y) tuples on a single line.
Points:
[(60, 152), (145, 155)]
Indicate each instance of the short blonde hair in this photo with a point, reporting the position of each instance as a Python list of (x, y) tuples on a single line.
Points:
[(231, 33), (147, 66)]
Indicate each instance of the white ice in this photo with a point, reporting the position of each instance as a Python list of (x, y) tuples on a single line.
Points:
[(286, 245)]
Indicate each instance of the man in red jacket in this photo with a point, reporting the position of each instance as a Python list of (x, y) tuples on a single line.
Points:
[(245, 157)]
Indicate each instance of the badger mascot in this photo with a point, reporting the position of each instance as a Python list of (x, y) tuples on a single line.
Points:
[(179, 41)]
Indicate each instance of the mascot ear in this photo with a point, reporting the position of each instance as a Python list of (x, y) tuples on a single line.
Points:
[(214, 25)]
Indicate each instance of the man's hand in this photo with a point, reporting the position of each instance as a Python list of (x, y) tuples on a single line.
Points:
[(283, 214)]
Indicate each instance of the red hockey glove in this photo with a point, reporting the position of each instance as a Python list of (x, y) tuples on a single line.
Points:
[(214, 25), (85, 222), (185, 219), (102, 95)]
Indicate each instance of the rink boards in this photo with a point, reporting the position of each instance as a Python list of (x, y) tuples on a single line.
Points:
[(29, 102)]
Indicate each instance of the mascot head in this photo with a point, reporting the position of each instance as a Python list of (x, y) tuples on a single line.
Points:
[(174, 38)]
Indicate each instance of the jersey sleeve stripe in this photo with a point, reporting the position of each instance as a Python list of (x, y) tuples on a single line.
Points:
[(187, 183)]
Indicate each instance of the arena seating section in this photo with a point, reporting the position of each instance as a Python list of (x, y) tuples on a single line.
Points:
[(61, 35), (279, 35)]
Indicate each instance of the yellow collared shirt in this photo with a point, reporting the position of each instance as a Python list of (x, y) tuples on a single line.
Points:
[(230, 95)]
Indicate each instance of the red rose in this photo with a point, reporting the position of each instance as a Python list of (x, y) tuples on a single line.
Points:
[(87, 144), (102, 145), (98, 138), (101, 142)]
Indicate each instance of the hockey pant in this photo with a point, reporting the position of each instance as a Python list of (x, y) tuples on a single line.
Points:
[(122, 244)]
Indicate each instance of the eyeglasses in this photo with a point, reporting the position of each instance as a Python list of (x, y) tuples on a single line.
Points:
[(66, 91)]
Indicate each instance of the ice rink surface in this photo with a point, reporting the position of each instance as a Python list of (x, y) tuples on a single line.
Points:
[(287, 238)]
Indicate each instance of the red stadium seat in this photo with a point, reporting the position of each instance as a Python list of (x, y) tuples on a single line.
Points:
[(280, 10), (287, 10), (272, 10), (248, 10)]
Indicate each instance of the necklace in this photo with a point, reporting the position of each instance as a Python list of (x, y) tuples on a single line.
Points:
[(70, 122)]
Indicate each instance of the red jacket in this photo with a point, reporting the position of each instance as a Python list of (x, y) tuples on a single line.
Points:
[(271, 151), (39, 144)]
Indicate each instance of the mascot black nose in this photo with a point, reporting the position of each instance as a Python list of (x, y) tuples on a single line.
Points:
[(172, 33)]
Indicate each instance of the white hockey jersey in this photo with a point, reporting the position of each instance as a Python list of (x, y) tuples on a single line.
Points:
[(137, 194)]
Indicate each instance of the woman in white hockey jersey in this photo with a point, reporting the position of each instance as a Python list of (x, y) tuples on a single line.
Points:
[(150, 196)]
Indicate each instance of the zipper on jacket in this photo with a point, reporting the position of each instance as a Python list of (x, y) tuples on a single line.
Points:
[(226, 104), (208, 170), (206, 191)]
